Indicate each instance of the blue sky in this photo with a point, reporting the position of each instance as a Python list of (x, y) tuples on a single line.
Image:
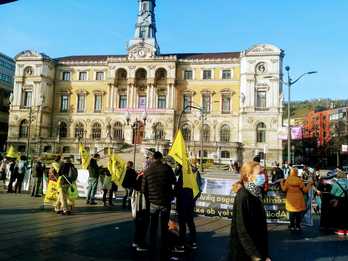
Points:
[(313, 33)]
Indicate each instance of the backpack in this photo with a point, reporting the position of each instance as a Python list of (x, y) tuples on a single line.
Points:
[(72, 175)]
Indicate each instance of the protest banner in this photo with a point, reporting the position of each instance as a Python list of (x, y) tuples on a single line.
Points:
[(217, 200)]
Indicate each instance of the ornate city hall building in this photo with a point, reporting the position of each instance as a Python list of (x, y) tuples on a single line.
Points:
[(115, 100)]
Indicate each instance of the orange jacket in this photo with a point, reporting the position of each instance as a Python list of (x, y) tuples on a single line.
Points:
[(294, 188)]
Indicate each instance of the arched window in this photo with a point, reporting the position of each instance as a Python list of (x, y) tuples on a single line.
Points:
[(96, 131), (118, 131), (225, 133), (261, 132), (158, 131), (121, 74), (206, 133), (79, 130), (23, 129), (186, 132), (63, 130), (141, 74), (161, 74)]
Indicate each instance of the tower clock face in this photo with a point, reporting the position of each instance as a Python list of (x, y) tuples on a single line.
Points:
[(141, 53)]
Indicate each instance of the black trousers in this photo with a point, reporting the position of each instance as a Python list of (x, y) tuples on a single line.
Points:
[(141, 223), (185, 218), (36, 186), (127, 198), (18, 186), (159, 218), (111, 194), (295, 219), (10, 184)]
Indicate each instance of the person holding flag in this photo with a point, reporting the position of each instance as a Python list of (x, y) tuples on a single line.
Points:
[(187, 190)]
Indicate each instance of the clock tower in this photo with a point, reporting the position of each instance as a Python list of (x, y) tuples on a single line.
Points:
[(144, 44)]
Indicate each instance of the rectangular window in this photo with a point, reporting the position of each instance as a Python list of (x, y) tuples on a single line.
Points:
[(187, 102), (162, 102), (83, 76), (97, 103), (206, 103), (123, 101), (226, 104), (100, 76), (188, 75), (27, 99), (66, 76), (206, 74), (81, 102), (64, 103), (142, 102), (261, 100), (226, 74)]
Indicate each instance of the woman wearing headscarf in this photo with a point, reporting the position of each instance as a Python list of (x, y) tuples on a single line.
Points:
[(249, 235)]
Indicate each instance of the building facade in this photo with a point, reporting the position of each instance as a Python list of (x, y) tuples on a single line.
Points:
[(7, 71), (317, 126), (59, 102)]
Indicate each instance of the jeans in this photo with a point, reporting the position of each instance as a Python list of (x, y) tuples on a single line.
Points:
[(295, 219), (159, 218), (92, 189), (37, 183)]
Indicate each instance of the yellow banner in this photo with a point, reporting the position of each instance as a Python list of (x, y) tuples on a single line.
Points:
[(179, 154)]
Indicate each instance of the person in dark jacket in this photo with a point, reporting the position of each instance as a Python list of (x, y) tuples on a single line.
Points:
[(93, 170), (38, 173), (249, 236), (185, 208), (129, 183), (157, 187)]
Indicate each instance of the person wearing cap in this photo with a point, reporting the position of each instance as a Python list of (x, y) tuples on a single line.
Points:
[(157, 186)]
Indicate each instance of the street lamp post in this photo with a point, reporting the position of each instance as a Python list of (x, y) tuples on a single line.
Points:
[(202, 123), (290, 83), (135, 126)]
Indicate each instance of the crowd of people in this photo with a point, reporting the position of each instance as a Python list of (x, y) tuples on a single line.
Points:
[(150, 194)]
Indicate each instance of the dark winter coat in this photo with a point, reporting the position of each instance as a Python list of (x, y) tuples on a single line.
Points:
[(157, 184), (249, 237)]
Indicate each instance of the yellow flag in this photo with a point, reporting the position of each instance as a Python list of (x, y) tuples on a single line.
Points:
[(179, 154), (12, 153), (117, 168), (85, 158)]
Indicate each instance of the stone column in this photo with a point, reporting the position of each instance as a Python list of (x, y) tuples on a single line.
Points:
[(129, 95), (169, 96), (148, 96), (112, 107), (116, 98), (109, 97), (154, 97)]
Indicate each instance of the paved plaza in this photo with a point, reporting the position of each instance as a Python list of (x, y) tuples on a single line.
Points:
[(30, 232)]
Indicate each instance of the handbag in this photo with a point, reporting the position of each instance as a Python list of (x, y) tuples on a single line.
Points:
[(339, 201)]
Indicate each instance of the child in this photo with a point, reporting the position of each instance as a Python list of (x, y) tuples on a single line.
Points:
[(107, 187)]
